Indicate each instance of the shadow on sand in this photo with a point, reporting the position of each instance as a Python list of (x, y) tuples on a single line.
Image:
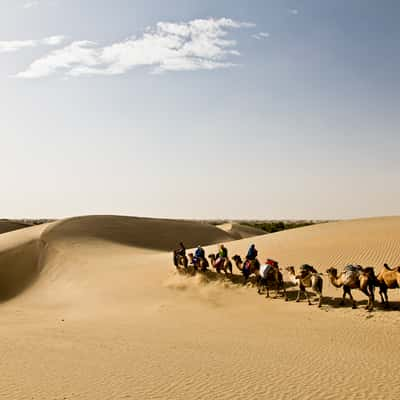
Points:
[(291, 291)]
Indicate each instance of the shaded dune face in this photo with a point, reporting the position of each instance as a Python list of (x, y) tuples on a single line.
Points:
[(147, 233), (9, 226), (19, 267)]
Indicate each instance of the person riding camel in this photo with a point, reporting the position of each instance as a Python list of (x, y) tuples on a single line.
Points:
[(199, 254), (179, 252), (222, 255), (251, 255)]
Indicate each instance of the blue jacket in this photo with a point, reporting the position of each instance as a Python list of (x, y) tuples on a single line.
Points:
[(199, 253), (252, 253)]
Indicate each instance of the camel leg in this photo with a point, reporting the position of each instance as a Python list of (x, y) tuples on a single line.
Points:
[(301, 290), (308, 297), (354, 304), (383, 293), (298, 296), (317, 287), (284, 291), (244, 277), (319, 299), (386, 296), (372, 291), (369, 291), (366, 292), (276, 290), (344, 296), (259, 283)]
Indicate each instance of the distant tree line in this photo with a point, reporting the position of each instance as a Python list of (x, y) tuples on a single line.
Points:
[(270, 226), (277, 226)]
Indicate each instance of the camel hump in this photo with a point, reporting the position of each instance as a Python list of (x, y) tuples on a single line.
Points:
[(369, 270), (352, 268), (308, 268), (351, 273)]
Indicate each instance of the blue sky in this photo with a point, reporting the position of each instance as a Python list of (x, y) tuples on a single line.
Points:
[(259, 109)]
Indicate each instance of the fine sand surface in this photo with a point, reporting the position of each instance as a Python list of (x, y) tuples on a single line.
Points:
[(94, 309)]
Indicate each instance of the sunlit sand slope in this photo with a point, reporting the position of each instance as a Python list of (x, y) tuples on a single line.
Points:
[(366, 241)]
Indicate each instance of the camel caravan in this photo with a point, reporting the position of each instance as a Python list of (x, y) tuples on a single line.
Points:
[(269, 276)]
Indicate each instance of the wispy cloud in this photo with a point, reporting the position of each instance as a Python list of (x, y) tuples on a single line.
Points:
[(12, 46), (31, 4), (199, 44), (294, 11), (261, 35)]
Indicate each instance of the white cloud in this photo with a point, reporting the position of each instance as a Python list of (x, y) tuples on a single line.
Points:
[(12, 46), (31, 4), (294, 11), (200, 44), (15, 45), (261, 35), (53, 40)]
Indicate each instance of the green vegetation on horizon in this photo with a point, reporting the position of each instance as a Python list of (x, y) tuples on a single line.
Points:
[(271, 226)]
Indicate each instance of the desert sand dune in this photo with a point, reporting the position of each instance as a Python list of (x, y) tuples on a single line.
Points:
[(239, 231), (20, 259), (107, 316), (370, 241), (148, 233)]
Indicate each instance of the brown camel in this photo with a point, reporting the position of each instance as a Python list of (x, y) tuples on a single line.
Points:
[(308, 276), (180, 261), (268, 275), (252, 267), (200, 264), (224, 265), (388, 278), (355, 277)]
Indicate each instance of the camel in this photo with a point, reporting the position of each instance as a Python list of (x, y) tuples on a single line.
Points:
[(200, 264), (388, 278), (252, 268), (180, 261), (269, 274), (225, 265), (355, 277), (308, 277)]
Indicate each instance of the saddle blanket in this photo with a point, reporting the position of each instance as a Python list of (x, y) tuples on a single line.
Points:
[(264, 270)]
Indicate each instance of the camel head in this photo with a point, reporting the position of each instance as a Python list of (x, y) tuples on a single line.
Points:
[(290, 270), (190, 255), (237, 259), (332, 271), (308, 268), (211, 256)]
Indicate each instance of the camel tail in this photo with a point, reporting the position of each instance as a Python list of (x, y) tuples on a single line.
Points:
[(372, 277), (386, 266)]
